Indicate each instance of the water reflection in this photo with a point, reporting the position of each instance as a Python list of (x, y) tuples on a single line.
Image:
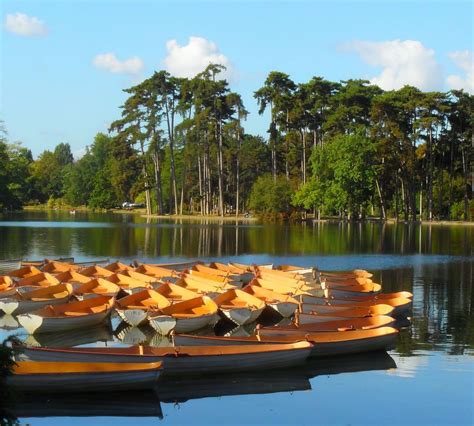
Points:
[(114, 236)]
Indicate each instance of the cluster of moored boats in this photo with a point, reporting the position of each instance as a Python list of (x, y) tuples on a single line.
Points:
[(327, 313)]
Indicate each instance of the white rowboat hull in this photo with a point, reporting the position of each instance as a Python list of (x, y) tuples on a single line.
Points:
[(37, 324), (85, 382)]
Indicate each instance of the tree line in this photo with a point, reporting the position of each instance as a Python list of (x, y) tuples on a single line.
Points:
[(332, 148)]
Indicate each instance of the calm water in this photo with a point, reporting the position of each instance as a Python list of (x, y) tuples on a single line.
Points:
[(427, 379)]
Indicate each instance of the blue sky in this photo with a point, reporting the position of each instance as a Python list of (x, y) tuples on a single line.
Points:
[(55, 88)]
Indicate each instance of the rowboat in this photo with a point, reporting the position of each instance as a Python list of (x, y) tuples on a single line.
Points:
[(68, 316), (43, 279), (39, 376), (295, 269), (118, 267), (140, 277), (212, 271), (7, 286), (325, 343), (189, 360), (239, 306), (352, 311), (345, 274), (401, 306), (69, 338), (127, 283), (54, 267), (40, 263), (135, 308), (202, 286), (72, 277), (372, 288), (185, 317), (283, 304), (275, 274), (95, 271), (352, 292), (346, 324), (288, 289), (333, 282), (96, 287), (213, 278), (155, 271), (243, 275), (177, 266), (32, 300), (24, 272), (175, 293), (229, 268)]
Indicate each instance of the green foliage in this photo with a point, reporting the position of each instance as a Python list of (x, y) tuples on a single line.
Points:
[(271, 196), (99, 179), (180, 145), (343, 176)]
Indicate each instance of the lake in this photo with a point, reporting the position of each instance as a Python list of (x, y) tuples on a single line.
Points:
[(427, 379)]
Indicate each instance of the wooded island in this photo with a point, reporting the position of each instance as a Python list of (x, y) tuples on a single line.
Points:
[(333, 148)]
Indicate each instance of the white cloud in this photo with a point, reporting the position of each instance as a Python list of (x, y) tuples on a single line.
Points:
[(24, 25), (402, 62), (192, 58), (109, 62), (465, 61)]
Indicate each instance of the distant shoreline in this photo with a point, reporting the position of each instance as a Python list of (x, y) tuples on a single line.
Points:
[(240, 218)]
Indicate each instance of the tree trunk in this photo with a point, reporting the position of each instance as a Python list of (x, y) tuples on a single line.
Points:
[(201, 195), (430, 176), (170, 124), (220, 160), (304, 156), (159, 192), (237, 177), (382, 202), (183, 181), (465, 170), (145, 176)]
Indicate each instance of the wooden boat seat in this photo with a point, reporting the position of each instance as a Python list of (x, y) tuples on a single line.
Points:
[(187, 315), (75, 313)]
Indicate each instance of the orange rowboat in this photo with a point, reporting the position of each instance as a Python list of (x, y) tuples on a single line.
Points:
[(62, 377), (401, 305), (285, 305), (338, 325), (32, 300), (185, 317), (135, 308), (50, 319), (347, 311), (188, 360), (325, 344), (239, 306)]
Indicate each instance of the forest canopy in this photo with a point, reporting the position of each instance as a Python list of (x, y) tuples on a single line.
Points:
[(332, 148)]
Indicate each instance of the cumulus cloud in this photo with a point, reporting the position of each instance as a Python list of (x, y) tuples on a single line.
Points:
[(192, 58), (24, 25), (109, 62), (402, 62), (465, 61)]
